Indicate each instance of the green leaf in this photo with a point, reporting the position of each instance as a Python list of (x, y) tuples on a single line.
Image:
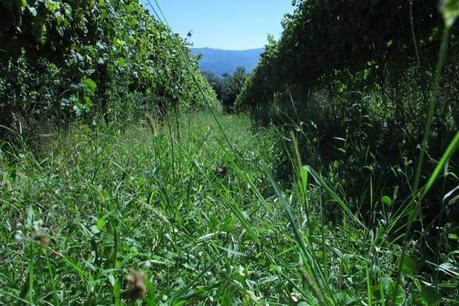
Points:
[(67, 10), (101, 224), (95, 230), (430, 295), (51, 6), (344, 205), (452, 148), (112, 280), (386, 200), (411, 265), (393, 290), (450, 11), (33, 11), (449, 269), (43, 39), (88, 102), (90, 86), (121, 62)]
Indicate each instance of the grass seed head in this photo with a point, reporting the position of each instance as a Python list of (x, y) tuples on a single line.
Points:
[(151, 123), (40, 238), (221, 171), (136, 285)]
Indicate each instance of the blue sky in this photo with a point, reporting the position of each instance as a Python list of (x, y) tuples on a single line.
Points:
[(226, 24)]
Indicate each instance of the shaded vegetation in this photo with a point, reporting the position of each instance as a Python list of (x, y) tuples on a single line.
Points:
[(228, 87), (359, 85), (354, 79)]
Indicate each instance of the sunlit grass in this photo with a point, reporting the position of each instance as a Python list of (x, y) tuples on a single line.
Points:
[(100, 203)]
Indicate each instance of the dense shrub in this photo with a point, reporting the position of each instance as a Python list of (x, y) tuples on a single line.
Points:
[(329, 40), (228, 87), (345, 76), (69, 59)]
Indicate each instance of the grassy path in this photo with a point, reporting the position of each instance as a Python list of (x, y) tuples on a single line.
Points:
[(172, 217), (100, 203)]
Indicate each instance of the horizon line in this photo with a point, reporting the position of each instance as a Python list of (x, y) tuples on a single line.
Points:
[(223, 49)]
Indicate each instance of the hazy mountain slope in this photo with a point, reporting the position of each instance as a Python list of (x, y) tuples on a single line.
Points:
[(220, 61)]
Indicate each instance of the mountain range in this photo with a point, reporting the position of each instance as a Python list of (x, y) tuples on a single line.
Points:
[(219, 62)]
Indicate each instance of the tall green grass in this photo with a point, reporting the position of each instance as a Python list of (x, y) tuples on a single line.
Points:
[(99, 203)]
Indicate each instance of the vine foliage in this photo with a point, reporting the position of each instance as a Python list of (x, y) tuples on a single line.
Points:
[(352, 79), (67, 59), (343, 44)]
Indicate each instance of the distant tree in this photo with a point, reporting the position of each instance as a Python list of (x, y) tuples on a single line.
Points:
[(228, 87), (216, 83), (232, 86)]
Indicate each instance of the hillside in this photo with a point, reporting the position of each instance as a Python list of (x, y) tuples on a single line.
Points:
[(220, 61)]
